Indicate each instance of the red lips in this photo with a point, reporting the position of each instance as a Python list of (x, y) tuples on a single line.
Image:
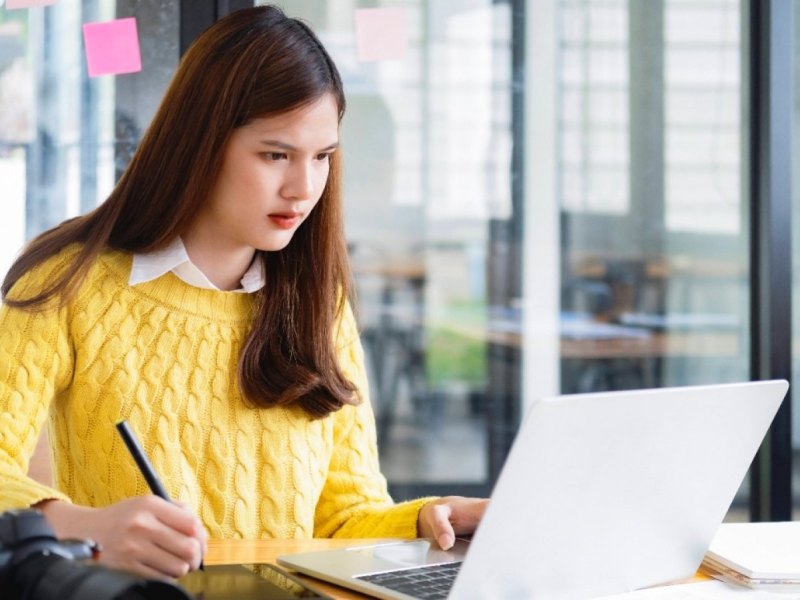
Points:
[(285, 220)]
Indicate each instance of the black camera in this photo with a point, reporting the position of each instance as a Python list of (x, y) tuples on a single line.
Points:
[(34, 565)]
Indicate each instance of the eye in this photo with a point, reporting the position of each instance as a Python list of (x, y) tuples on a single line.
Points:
[(273, 155), (324, 156)]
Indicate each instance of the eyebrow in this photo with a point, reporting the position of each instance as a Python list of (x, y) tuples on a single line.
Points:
[(285, 146)]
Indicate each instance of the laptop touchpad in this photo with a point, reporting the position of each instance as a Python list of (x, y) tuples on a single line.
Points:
[(409, 554)]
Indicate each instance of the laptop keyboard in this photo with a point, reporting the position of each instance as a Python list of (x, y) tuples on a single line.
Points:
[(426, 583)]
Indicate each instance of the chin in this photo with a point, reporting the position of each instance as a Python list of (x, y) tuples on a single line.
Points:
[(273, 245)]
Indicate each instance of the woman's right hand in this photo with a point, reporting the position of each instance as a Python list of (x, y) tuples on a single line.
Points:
[(145, 535)]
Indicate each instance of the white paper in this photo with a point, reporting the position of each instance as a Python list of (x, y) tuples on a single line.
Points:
[(759, 550), (707, 590)]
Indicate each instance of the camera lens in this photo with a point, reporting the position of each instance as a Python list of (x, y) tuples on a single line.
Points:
[(52, 577)]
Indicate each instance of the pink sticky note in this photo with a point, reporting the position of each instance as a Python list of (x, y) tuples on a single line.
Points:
[(28, 3), (112, 47), (380, 33)]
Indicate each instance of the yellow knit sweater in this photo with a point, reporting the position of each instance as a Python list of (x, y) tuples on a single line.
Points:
[(163, 355)]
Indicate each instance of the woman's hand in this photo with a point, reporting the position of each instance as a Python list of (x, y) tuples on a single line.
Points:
[(447, 517), (145, 535)]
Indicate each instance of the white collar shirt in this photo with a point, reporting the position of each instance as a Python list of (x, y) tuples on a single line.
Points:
[(174, 258)]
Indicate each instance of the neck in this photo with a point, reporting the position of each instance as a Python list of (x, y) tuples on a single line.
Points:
[(224, 267)]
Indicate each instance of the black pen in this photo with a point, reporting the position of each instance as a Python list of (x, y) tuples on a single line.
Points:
[(143, 463)]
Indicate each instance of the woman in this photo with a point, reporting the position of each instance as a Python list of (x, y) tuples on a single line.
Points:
[(207, 301)]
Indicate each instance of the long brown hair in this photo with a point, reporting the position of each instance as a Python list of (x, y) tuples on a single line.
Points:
[(251, 64)]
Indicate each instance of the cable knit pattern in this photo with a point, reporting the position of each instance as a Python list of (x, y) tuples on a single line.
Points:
[(163, 355)]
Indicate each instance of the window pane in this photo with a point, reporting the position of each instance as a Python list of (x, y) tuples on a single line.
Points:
[(654, 232), (64, 138), (427, 145)]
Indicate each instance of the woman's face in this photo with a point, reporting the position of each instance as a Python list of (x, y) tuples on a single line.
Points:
[(273, 173)]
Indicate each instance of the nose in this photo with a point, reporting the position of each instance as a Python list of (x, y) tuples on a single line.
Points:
[(299, 182)]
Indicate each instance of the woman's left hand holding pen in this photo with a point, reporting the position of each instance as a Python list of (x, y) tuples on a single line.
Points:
[(146, 535)]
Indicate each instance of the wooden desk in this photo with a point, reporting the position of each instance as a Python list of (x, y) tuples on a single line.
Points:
[(657, 344), (227, 552)]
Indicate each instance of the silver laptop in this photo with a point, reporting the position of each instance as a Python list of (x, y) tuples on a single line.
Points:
[(601, 493)]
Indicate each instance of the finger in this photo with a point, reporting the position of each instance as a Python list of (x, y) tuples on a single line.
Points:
[(178, 517), (145, 559), (164, 562), (150, 528), (441, 526), (466, 515), (203, 541), (153, 574), (184, 548), (200, 531)]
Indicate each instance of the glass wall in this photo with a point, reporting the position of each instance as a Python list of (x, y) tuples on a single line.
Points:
[(639, 164), (655, 288), (64, 137), (427, 142), (651, 176)]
